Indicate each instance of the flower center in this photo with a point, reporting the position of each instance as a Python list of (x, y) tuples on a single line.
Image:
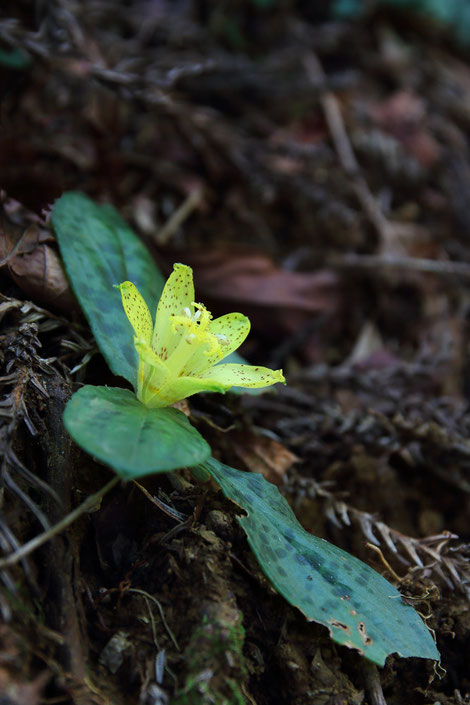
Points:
[(195, 337)]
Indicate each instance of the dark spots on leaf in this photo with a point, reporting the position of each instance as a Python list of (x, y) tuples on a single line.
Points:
[(341, 589), (331, 606), (110, 329), (301, 560), (362, 580), (315, 560), (329, 577), (269, 553), (289, 534), (281, 553), (283, 573)]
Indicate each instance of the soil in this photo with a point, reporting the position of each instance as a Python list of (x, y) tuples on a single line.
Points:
[(315, 173)]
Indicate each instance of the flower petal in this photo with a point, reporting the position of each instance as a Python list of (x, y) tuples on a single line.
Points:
[(153, 373), (181, 388), (232, 329), (231, 375), (136, 311), (147, 355), (177, 295), (234, 326)]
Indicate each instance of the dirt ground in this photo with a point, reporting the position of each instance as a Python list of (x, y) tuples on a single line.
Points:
[(315, 173)]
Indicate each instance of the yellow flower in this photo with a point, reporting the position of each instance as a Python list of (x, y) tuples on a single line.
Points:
[(179, 356)]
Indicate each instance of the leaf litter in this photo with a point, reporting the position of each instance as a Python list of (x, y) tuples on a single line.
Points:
[(332, 166)]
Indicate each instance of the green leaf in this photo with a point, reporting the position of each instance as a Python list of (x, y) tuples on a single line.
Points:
[(453, 15), (100, 250), (360, 608), (15, 59), (114, 426)]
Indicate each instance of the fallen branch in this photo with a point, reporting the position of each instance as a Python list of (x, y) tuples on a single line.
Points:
[(417, 264)]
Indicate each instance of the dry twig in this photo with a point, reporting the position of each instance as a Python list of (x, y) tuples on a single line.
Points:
[(41, 539)]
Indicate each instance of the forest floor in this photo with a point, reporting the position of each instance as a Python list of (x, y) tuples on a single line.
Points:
[(316, 176)]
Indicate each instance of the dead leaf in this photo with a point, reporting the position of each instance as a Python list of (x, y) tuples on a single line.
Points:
[(255, 278), (183, 406), (41, 277), (263, 454), (34, 266)]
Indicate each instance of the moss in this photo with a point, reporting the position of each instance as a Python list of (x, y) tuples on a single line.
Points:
[(215, 665)]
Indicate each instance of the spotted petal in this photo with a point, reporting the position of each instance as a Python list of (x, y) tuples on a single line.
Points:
[(136, 311), (177, 295), (152, 373), (182, 388), (148, 356), (229, 375), (231, 329)]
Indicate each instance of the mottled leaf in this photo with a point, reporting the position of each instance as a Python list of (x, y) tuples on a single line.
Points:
[(360, 608), (114, 426), (100, 250)]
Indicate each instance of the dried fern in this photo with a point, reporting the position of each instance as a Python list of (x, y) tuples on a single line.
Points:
[(439, 556)]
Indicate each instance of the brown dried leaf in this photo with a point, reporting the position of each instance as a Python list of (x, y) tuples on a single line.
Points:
[(264, 455), (41, 277), (255, 279), (33, 265)]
